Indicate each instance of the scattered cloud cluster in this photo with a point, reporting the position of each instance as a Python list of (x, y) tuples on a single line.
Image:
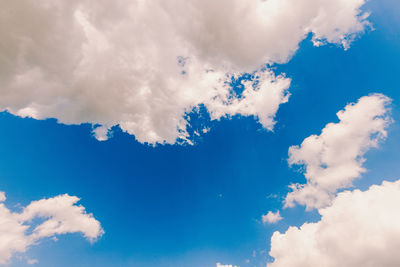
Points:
[(143, 65), (57, 215), (271, 217), (333, 159), (358, 229)]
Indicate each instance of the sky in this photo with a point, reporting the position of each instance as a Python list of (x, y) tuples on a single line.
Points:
[(169, 134)]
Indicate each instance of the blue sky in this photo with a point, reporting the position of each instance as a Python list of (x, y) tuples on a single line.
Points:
[(196, 205)]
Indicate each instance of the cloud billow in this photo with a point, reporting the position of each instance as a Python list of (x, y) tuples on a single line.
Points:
[(143, 65), (356, 228), (58, 215), (360, 228), (334, 159)]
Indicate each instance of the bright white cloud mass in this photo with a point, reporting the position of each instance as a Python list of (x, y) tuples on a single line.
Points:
[(143, 65), (358, 229), (333, 159), (58, 215)]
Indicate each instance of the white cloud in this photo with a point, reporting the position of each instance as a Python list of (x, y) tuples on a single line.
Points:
[(60, 215), (271, 217), (2, 196), (32, 261), (333, 159), (100, 133), (359, 229), (223, 265), (143, 64)]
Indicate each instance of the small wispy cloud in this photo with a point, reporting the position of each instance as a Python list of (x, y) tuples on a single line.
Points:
[(271, 217)]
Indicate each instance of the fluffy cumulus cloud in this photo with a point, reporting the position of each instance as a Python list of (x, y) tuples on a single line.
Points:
[(358, 229), (58, 215), (144, 64), (333, 159), (271, 217)]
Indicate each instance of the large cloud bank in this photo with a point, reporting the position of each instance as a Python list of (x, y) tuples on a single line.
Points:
[(143, 65), (333, 159), (58, 215), (359, 229)]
